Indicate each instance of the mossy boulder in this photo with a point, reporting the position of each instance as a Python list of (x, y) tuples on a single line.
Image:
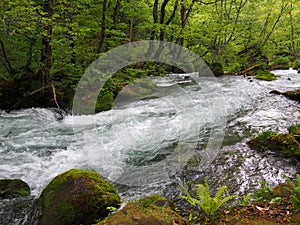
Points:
[(152, 210), (12, 188), (265, 75), (76, 197), (285, 144)]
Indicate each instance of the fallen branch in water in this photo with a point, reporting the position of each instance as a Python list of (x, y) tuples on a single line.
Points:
[(54, 96)]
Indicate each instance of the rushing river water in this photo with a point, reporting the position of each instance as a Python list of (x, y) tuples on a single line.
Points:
[(154, 144)]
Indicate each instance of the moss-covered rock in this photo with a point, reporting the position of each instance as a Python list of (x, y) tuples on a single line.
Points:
[(76, 197), (282, 190), (265, 75), (285, 144), (12, 188), (293, 95), (153, 210)]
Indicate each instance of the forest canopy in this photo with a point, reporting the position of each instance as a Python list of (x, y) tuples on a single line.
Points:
[(46, 45)]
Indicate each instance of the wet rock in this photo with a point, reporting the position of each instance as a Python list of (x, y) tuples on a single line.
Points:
[(76, 197), (282, 190), (293, 95), (12, 188), (153, 210)]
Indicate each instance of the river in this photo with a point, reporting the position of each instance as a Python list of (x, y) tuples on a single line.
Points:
[(185, 131)]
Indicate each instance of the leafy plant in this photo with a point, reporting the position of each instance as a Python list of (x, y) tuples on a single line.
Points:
[(246, 200), (294, 129), (295, 191), (264, 194), (209, 204)]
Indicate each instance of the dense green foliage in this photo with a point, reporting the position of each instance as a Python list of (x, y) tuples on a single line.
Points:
[(45, 45)]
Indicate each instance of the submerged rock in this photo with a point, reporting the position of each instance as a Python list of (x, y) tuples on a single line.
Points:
[(76, 197), (12, 188), (152, 210)]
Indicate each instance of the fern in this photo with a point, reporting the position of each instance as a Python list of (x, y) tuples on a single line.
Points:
[(295, 191), (209, 204)]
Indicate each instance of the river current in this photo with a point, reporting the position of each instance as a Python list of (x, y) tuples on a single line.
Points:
[(184, 131)]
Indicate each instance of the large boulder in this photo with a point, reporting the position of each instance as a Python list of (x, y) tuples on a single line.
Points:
[(76, 197), (153, 210), (12, 188)]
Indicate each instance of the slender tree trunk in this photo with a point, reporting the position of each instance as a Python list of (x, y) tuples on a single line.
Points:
[(6, 60), (116, 13), (103, 27), (131, 30), (46, 51), (293, 48)]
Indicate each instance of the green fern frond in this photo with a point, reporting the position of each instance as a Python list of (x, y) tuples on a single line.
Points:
[(209, 204)]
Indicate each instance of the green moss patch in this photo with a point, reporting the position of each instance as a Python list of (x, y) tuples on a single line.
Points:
[(12, 188), (265, 75), (76, 197), (153, 210), (285, 144), (294, 129)]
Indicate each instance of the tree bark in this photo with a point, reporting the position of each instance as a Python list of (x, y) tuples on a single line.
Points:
[(46, 51), (103, 27)]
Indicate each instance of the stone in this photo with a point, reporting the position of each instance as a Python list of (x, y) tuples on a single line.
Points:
[(76, 197), (13, 188)]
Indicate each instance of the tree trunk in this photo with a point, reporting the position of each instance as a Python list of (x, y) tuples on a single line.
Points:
[(103, 27), (46, 51), (116, 13)]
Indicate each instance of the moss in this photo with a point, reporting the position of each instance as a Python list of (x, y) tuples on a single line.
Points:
[(12, 188), (294, 129), (285, 144), (76, 197), (153, 210), (265, 75)]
